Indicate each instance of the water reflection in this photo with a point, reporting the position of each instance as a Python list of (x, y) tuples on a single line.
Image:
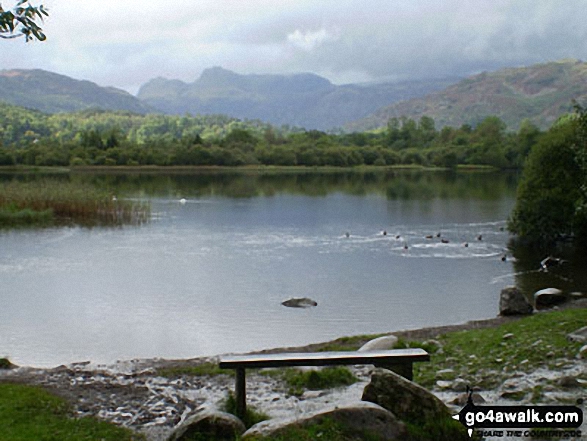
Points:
[(395, 185)]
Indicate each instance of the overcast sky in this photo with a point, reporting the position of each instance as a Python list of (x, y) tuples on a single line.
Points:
[(125, 43)]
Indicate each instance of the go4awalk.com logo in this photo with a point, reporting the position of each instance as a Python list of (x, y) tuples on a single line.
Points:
[(553, 421)]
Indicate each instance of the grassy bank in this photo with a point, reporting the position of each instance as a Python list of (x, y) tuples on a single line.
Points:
[(46, 202), (486, 357), (31, 413)]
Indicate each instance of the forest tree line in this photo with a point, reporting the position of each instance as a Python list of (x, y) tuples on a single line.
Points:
[(95, 137)]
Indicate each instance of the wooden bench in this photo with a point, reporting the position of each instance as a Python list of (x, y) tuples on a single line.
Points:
[(397, 360)]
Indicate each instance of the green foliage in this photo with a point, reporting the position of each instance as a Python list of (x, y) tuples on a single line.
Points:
[(326, 378), (94, 137), (251, 417), (550, 197), (31, 413), (24, 18)]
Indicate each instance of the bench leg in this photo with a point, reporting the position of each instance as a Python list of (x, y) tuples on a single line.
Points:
[(241, 393), (404, 369)]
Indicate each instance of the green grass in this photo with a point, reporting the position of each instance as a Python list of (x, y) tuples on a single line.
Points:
[(42, 202), (481, 355), (203, 369), (326, 378), (31, 413), (252, 416), (351, 343), (12, 215)]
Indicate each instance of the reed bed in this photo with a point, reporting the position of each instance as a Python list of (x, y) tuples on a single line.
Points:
[(64, 202)]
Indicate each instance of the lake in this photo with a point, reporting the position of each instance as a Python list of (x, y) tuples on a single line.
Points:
[(208, 276)]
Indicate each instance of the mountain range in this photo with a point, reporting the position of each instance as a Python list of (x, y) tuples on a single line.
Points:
[(540, 93), (304, 100)]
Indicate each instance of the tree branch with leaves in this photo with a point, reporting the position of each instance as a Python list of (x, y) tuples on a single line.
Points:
[(23, 20)]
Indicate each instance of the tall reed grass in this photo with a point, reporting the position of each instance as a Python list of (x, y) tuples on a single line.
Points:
[(64, 202)]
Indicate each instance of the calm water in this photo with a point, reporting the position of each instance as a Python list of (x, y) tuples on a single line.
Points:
[(208, 277)]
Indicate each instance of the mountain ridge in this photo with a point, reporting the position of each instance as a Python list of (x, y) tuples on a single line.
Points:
[(302, 99), (51, 92), (540, 93)]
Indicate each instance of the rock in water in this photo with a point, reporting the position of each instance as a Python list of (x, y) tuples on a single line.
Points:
[(380, 343), (513, 302), (360, 419), (299, 302)]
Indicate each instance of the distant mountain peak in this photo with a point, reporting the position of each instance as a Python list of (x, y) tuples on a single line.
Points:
[(52, 92)]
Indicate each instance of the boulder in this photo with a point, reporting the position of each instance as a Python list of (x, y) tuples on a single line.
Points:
[(413, 404), (299, 302), (361, 420), (513, 302), (380, 343), (548, 297), (579, 335), (209, 424)]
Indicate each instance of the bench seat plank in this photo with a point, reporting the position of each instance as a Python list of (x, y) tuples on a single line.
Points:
[(392, 356), (399, 360)]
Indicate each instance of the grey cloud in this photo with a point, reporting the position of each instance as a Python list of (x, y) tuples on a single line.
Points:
[(342, 39)]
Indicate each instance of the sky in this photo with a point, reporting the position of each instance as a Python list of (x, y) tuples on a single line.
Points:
[(126, 43)]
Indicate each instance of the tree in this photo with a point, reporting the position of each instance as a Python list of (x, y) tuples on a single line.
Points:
[(550, 198), (22, 20)]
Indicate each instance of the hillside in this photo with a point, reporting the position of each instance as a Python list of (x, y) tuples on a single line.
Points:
[(50, 92), (540, 93), (304, 100)]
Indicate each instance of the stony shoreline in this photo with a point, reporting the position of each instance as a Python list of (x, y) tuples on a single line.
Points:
[(134, 395)]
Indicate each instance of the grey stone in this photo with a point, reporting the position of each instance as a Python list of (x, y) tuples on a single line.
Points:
[(445, 372), (459, 385), (409, 402), (299, 302), (213, 424), (359, 418), (568, 382), (461, 400), (380, 343), (548, 297), (513, 302), (583, 352), (578, 335)]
